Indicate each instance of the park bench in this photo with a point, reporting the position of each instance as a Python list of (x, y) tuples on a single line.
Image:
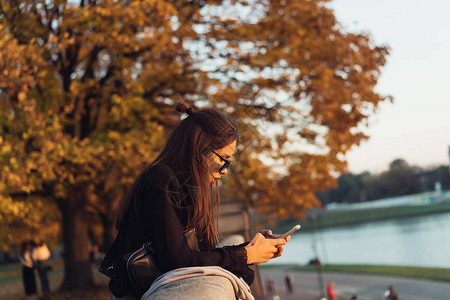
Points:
[(235, 227)]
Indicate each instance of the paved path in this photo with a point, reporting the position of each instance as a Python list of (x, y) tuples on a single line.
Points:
[(367, 287)]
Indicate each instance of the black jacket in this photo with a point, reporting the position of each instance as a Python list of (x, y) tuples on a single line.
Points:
[(155, 215)]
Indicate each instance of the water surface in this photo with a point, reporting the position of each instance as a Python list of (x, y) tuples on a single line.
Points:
[(416, 241)]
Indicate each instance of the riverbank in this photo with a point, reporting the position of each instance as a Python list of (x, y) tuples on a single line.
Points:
[(336, 218), (310, 285), (435, 274)]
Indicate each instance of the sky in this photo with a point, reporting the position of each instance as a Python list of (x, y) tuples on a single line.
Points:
[(416, 127)]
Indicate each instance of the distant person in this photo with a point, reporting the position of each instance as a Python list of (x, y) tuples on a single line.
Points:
[(29, 281), (270, 285), (95, 255), (354, 297), (314, 261), (40, 255), (391, 294), (317, 261), (289, 281), (331, 292)]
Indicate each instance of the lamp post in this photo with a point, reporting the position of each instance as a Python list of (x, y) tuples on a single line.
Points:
[(449, 159), (313, 216)]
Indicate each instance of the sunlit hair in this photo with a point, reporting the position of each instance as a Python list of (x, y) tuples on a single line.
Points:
[(186, 153), (25, 246)]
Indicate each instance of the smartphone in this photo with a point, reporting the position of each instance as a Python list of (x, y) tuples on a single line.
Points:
[(294, 229)]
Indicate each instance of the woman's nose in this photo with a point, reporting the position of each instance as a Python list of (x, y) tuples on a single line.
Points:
[(224, 171)]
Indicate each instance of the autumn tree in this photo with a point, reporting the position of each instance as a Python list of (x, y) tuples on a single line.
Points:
[(303, 89), (87, 91), (79, 117)]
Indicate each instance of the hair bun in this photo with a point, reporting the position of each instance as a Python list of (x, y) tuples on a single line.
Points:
[(183, 108)]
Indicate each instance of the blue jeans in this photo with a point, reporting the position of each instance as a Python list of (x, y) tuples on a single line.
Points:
[(43, 277), (196, 288)]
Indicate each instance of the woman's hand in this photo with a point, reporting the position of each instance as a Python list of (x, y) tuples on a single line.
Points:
[(267, 233), (261, 249)]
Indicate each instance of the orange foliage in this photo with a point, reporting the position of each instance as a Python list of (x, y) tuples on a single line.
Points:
[(87, 91)]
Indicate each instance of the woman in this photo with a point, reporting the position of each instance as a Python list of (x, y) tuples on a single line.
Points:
[(40, 255), (391, 294), (29, 280), (178, 192)]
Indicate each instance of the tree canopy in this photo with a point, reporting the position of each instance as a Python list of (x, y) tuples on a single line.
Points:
[(87, 91), (400, 179)]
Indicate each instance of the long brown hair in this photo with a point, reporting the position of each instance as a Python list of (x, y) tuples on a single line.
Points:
[(185, 153)]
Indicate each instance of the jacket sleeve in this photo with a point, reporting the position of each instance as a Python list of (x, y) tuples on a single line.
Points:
[(159, 206)]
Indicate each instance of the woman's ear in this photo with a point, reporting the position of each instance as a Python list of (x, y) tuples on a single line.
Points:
[(202, 159), (206, 151)]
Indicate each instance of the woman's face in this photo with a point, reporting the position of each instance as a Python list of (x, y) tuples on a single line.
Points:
[(215, 162)]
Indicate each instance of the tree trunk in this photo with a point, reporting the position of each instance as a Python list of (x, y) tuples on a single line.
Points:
[(77, 267)]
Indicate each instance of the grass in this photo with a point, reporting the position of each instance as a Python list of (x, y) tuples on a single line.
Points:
[(11, 286), (438, 274)]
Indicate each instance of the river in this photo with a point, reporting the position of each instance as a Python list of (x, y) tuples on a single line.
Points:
[(415, 241)]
